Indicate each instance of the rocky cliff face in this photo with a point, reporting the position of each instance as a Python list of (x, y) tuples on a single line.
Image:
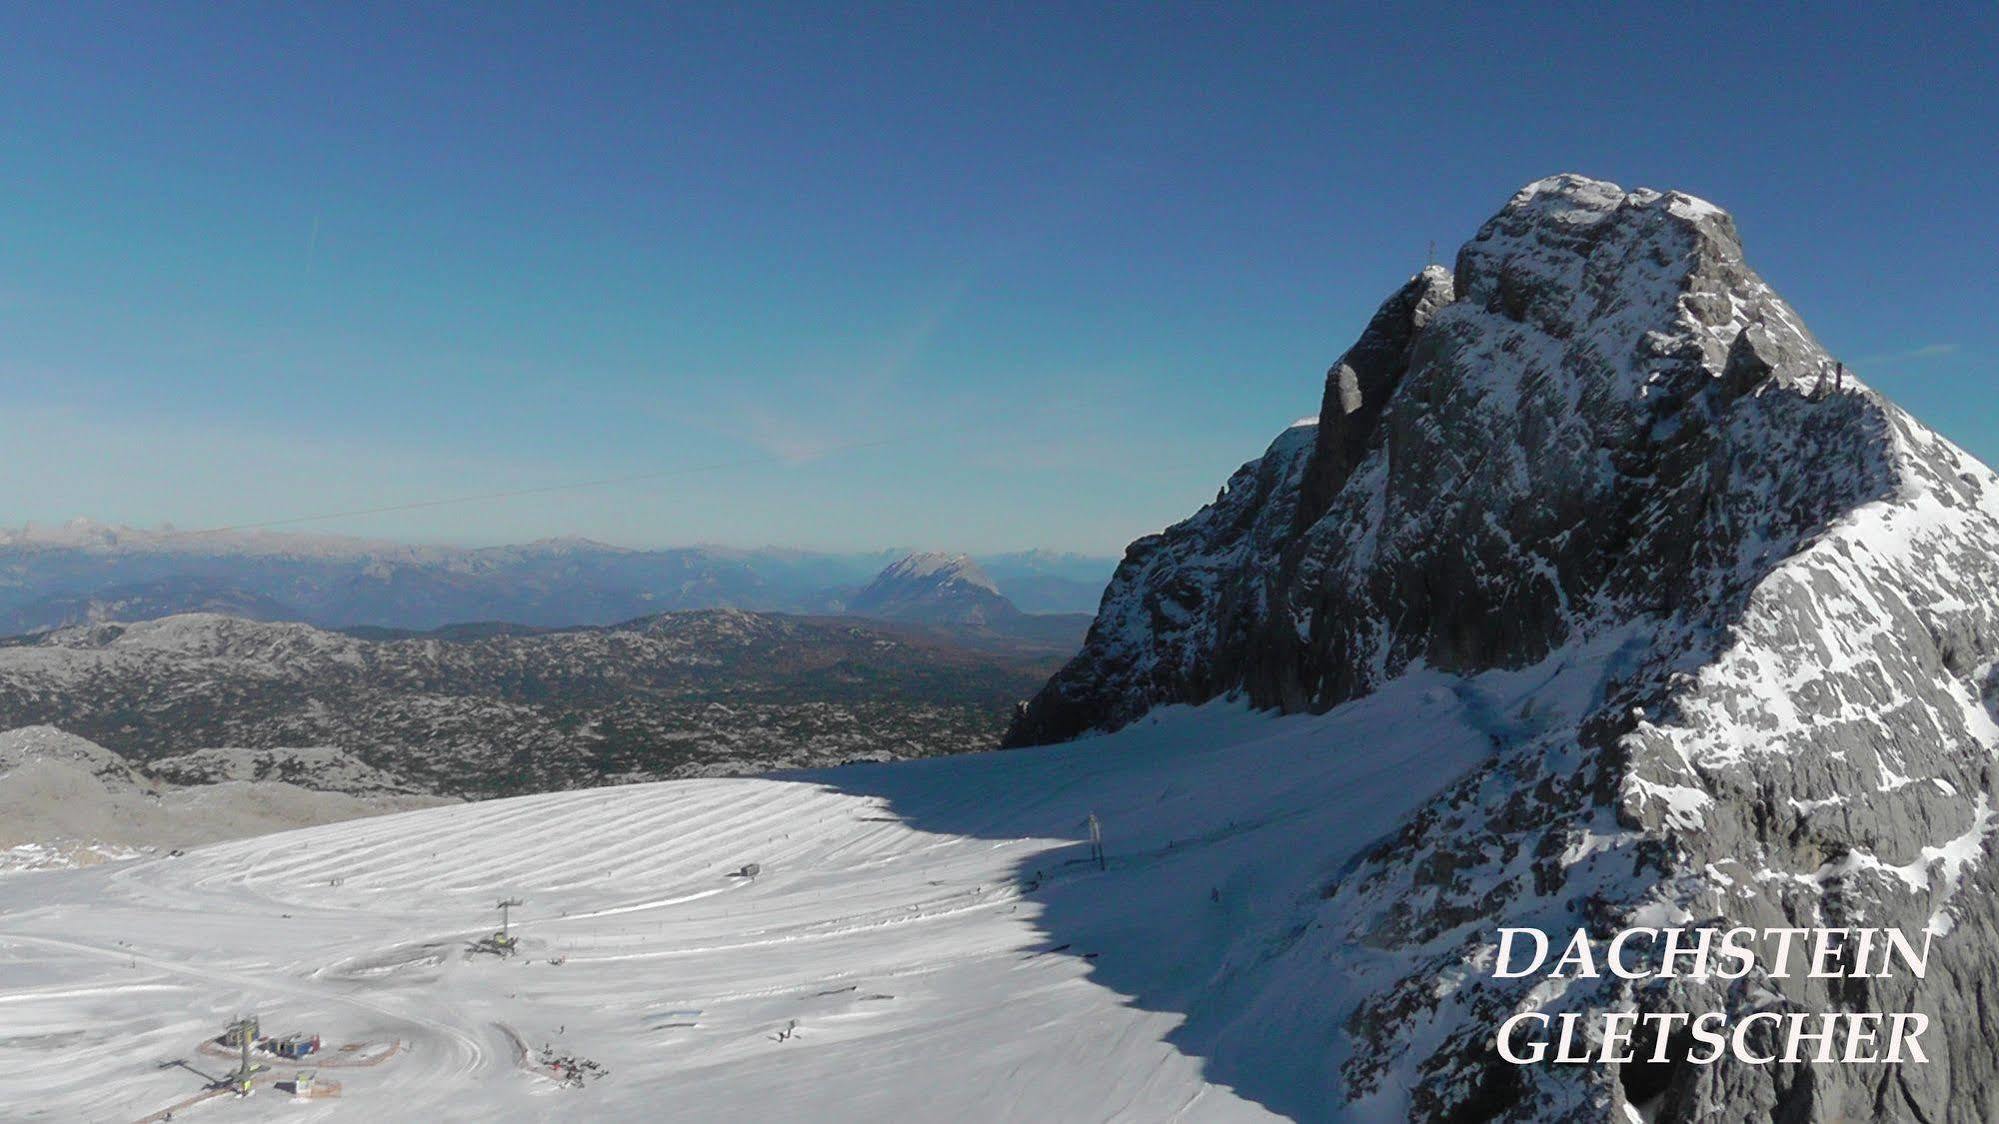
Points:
[(1604, 450)]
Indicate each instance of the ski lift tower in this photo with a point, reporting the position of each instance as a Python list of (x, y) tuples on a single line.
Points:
[(501, 938), (242, 1033)]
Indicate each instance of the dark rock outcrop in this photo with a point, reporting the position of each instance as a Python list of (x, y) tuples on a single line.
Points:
[(1360, 384)]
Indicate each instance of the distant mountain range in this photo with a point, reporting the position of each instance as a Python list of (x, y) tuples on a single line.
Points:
[(53, 576)]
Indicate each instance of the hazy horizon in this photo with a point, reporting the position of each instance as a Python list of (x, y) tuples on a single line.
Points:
[(192, 535)]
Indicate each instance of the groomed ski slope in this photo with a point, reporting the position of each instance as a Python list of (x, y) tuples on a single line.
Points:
[(933, 929)]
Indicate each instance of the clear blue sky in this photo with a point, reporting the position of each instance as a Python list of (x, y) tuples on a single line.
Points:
[(1073, 264)]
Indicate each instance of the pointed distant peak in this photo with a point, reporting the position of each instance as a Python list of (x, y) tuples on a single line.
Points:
[(939, 569)]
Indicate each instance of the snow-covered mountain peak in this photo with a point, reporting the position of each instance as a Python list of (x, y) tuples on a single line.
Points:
[(1600, 409), (1602, 452)]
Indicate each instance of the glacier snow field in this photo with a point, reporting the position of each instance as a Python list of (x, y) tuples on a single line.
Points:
[(921, 941)]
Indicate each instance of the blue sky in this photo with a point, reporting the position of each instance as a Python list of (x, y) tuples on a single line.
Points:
[(951, 276)]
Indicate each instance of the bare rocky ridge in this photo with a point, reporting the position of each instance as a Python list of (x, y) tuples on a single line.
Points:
[(30, 744), (323, 768), (1602, 449), (66, 801)]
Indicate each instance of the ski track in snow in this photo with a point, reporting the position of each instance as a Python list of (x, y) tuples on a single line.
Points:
[(933, 929)]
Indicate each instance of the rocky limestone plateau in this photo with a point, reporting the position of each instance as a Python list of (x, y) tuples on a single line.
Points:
[(486, 711), (1601, 449)]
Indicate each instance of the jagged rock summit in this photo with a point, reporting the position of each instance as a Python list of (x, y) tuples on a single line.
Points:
[(936, 589), (1602, 451)]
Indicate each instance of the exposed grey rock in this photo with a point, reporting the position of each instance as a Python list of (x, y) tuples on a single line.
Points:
[(319, 768), (1611, 457), (27, 744)]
